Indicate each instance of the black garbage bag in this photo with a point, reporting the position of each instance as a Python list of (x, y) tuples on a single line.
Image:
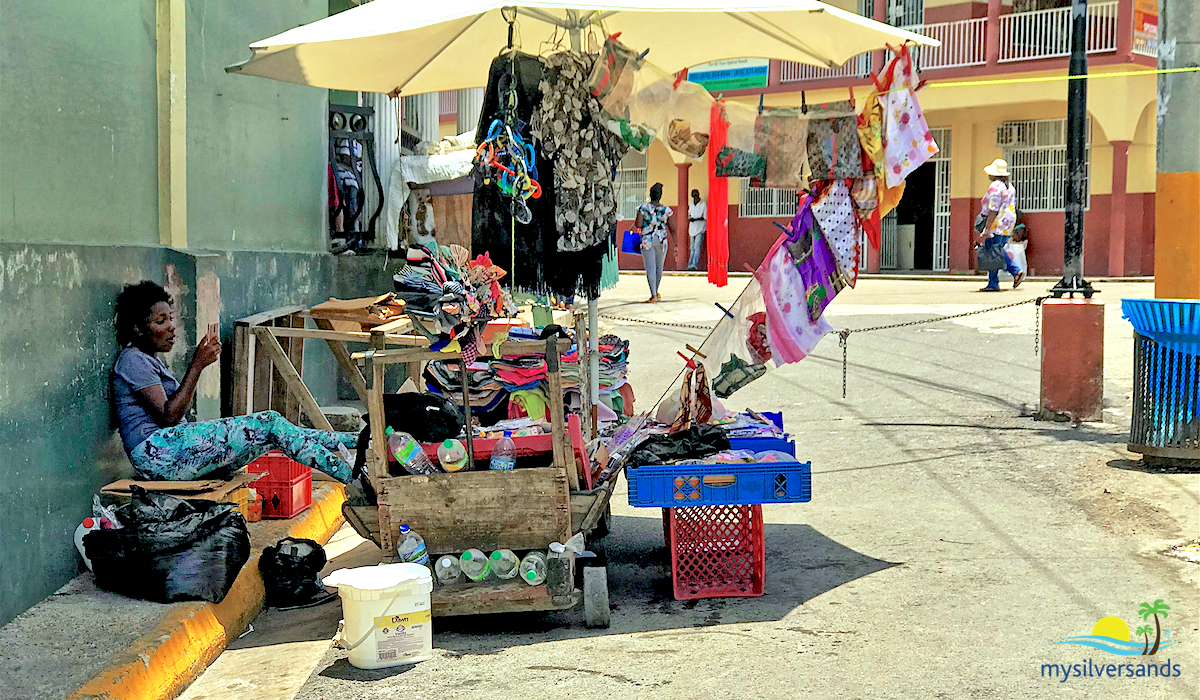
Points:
[(428, 417), (696, 442), (291, 571), (169, 549)]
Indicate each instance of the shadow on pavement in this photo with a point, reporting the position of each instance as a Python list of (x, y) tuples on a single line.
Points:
[(801, 564), (342, 670)]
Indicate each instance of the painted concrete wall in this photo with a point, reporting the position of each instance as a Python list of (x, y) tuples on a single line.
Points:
[(58, 443), (80, 218), (78, 147), (252, 143)]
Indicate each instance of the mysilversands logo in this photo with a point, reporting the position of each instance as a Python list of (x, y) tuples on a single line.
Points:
[(1112, 636)]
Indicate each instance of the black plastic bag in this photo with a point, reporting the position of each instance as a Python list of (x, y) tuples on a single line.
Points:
[(696, 442), (428, 417), (170, 550), (291, 571)]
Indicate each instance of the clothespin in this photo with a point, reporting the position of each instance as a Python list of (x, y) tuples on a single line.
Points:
[(695, 351), (803, 103), (781, 228), (724, 310), (691, 363), (760, 102)]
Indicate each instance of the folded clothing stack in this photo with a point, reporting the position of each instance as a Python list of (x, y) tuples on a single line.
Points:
[(614, 370), (485, 391), (749, 425)]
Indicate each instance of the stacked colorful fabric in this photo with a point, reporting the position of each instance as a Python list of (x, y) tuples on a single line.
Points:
[(486, 392)]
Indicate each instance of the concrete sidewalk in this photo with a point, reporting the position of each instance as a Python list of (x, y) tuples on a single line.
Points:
[(84, 643)]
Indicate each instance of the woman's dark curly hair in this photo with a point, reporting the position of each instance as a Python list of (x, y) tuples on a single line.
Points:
[(133, 308)]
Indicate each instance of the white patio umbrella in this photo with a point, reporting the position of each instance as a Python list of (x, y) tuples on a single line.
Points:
[(419, 46)]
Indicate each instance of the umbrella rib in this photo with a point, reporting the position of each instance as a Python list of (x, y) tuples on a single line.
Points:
[(432, 58), (542, 15), (781, 36)]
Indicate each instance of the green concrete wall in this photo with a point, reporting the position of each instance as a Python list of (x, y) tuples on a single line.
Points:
[(58, 441), (257, 153), (78, 153), (79, 218)]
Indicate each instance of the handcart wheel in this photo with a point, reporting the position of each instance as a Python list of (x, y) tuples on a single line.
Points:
[(595, 597)]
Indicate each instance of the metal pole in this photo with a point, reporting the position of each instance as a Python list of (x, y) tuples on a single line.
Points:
[(1072, 281)]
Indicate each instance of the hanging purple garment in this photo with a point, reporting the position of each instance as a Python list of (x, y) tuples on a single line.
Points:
[(812, 256)]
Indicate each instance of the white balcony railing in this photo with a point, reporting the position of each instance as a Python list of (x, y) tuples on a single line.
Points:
[(857, 67), (1026, 36), (963, 44)]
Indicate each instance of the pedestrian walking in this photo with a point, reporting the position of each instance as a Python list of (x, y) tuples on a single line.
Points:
[(697, 226), (655, 222), (999, 218), (1018, 245)]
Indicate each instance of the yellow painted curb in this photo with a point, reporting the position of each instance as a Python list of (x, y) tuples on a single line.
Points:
[(162, 663)]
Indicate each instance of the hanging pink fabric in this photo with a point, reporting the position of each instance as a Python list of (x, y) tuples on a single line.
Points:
[(790, 330), (718, 199)]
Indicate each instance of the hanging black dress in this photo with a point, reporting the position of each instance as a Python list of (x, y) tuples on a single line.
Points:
[(539, 266)]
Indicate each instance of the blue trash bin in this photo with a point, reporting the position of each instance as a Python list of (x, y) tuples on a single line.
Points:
[(1166, 377)]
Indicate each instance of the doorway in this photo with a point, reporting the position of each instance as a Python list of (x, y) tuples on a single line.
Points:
[(916, 234)]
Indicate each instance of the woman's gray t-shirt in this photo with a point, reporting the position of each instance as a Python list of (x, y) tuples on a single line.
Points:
[(135, 370)]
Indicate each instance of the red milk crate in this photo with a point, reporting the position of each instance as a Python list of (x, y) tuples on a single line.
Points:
[(716, 551), (286, 490)]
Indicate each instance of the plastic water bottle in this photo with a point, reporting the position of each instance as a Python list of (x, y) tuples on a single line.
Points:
[(504, 454), (84, 528), (448, 570), (504, 564), (408, 452), (412, 549), (474, 564), (533, 568), (452, 456)]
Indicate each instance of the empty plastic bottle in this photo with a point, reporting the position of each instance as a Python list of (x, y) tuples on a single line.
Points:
[(408, 452), (453, 456), (504, 454), (504, 564), (474, 564), (448, 570), (84, 528), (412, 547), (533, 568)]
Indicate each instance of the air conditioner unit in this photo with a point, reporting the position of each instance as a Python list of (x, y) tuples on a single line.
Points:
[(1012, 136)]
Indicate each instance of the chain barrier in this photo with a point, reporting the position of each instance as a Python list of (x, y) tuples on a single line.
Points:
[(845, 333)]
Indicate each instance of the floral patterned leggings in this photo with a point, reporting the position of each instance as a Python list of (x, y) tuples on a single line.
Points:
[(189, 451)]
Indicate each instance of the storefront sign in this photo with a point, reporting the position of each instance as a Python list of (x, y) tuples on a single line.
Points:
[(733, 74), (1145, 25)]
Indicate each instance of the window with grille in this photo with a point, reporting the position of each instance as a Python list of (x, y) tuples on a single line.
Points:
[(1036, 152), (898, 13), (758, 202), (632, 189)]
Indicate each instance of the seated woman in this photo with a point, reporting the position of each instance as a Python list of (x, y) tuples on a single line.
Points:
[(150, 405)]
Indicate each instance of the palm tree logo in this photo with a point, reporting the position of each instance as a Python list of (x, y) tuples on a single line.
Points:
[(1155, 609), (1144, 631), (1112, 635)]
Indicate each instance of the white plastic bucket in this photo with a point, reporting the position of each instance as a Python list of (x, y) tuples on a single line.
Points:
[(387, 613)]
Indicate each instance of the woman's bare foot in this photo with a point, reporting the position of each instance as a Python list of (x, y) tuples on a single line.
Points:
[(652, 300), (658, 297)]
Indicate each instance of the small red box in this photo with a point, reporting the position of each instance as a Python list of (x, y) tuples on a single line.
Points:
[(278, 467), (285, 499), (716, 551)]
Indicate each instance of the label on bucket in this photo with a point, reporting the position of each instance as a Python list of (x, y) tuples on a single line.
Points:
[(398, 637)]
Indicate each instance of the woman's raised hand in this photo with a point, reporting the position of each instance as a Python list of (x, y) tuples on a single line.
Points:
[(207, 352)]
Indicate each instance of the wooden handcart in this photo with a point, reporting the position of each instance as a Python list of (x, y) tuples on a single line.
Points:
[(523, 509)]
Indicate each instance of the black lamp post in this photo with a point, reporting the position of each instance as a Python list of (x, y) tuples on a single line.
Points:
[(1072, 281)]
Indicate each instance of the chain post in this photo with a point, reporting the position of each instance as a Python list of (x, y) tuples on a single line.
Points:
[(843, 338)]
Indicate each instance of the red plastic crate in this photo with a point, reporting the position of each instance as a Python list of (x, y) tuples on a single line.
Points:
[(285, 499), (716, 551), (278, 467)]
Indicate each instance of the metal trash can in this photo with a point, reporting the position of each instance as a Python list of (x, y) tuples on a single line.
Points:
[(1166, 378)]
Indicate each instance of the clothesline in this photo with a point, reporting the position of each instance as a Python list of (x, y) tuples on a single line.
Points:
[(1054, 78)]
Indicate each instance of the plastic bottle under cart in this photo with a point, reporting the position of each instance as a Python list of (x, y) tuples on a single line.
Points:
[(448, 570), (84, 528), (504, 564), (408, 452), (533, 568), (475, 564), (504, 454), (412, 547)]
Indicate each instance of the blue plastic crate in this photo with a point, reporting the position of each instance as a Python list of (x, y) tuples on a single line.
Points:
[(763, 444), (677, 485)]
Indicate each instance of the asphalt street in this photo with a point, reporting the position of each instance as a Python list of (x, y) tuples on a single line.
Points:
[(950, 542)]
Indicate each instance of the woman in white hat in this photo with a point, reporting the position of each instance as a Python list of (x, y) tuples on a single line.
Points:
[(1000, 208)]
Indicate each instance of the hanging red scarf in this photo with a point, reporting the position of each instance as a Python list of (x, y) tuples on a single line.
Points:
[(718, 199)]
